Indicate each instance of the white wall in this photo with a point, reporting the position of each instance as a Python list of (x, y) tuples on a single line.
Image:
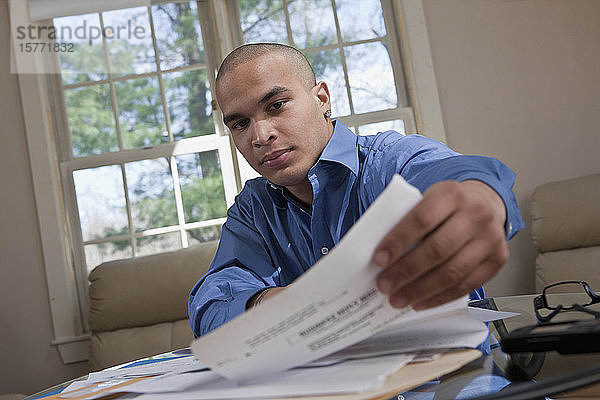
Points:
[(517, 79), (28, 362), (520, 80)]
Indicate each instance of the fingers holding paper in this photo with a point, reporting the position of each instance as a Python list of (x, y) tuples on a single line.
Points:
[(449, 244)]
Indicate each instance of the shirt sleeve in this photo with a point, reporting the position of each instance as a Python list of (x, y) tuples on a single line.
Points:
[(430, 162), (241, 268)]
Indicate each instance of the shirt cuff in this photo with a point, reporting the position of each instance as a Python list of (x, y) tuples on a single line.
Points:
[(514, 222), (237, 306), (218, 311)]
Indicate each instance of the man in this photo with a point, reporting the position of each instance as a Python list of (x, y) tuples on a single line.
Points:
[(317, 180)]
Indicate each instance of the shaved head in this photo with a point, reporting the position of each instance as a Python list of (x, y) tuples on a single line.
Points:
[(276, 113), (249, 52)]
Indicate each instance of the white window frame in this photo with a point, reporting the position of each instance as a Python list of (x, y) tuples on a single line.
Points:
[(69, 331), (218, 142), (418, 68)]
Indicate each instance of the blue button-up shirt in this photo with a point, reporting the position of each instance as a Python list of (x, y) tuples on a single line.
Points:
[(269, 239)]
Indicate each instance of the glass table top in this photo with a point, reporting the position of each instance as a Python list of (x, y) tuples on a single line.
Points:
[(499, 375)]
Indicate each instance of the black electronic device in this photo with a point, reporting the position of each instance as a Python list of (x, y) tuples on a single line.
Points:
[(565, 337)]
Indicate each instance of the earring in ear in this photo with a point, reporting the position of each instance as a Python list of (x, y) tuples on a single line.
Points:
[(327, 114)]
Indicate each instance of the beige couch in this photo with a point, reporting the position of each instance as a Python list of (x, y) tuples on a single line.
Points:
[(566, 231), (138, 306)]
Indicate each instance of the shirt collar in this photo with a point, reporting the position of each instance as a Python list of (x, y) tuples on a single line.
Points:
[(341, 148)]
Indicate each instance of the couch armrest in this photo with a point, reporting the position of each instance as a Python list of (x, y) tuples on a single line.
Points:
[(122, 345), (146, 290), (566, 214)]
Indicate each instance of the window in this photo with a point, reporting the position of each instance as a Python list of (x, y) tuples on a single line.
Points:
[(129, 153), (141, 161), (353, 46), (130, 98)]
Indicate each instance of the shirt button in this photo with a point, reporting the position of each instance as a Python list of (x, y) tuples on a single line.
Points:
[(324, 250)]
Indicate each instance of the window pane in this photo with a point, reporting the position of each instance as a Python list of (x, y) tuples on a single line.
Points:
[(101, 202), (188, 98), (201, 235), (202, 188), (141, 115), (312, 23), (263, 21), (158, 243), (371, 129), (150, 188), (328, 67), (129, 41), (372, 84), (96, 254), (86, 62), (91, 120), (178, 34), (360, 20)]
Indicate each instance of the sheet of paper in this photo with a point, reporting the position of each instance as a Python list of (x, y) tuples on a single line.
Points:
[(109, 377), (177, 365), (445, 327), (333, 305), (408, 377), (347, 377), (96, 390), (485, 315)]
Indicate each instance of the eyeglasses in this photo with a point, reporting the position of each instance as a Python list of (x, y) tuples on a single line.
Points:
[(550, 299)]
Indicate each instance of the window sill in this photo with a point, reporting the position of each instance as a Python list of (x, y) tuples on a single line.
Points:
[(73, 349)]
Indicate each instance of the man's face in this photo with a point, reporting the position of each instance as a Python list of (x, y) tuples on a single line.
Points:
[(276, 121)]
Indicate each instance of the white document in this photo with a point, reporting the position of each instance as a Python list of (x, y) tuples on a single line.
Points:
[(177, 365), (485, 315), (444, 327), (331, 306), (362, 366), (111, 377), (348, 377)]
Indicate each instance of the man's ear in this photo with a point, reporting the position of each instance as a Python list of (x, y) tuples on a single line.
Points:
[(321, 91)]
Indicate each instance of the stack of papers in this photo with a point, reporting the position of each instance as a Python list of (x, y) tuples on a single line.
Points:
[(333, 305), (330, 333)]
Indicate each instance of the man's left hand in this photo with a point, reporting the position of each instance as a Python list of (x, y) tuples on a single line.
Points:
[(451, 242)]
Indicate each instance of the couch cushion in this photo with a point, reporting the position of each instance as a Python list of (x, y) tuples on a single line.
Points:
[(116, 347), (146, 290), (576, 264), (566, 214)]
